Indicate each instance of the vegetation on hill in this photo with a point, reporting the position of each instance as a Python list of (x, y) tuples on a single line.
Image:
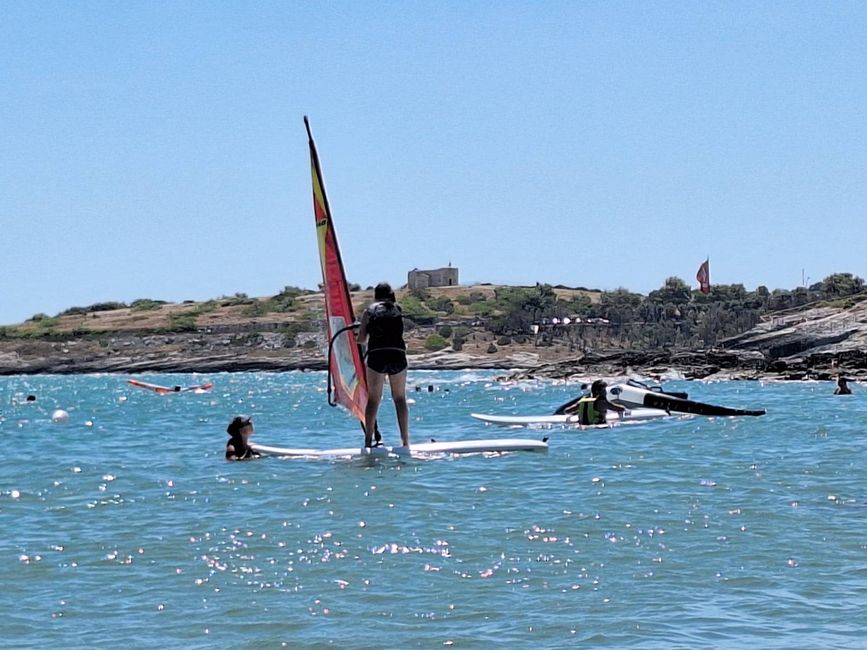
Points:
[(673, 316)]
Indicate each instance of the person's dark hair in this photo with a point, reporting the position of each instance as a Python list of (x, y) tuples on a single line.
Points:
[(383, 291), (598, 388), (238, 423)]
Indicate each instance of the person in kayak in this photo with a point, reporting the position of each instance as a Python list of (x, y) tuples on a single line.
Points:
[(238, 448), (382, 329), (842, 387), (591, 409)]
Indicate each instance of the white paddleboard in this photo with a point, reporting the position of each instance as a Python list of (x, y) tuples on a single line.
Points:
[(415, 449), (631, 415)]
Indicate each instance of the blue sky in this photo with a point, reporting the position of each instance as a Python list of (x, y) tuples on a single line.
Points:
[(157, 149)]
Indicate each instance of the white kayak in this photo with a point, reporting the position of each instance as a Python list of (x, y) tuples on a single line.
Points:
[(414, 450), (631, 415)]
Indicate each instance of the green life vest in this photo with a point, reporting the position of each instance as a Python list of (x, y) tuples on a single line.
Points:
[(587, 413)]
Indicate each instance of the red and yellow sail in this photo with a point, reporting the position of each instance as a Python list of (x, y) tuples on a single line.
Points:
[(346, 366)]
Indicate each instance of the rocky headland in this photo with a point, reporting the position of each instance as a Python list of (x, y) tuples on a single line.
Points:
[(807, 343)]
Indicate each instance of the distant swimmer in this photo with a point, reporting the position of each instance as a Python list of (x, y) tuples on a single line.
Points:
[(382, 329), (591, 409), (842, 387), (238, 448)]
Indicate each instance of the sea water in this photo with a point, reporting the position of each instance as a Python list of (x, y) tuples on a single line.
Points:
[(126, 526)]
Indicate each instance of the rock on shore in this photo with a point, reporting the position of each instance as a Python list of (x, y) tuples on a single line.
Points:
[(819, 343)]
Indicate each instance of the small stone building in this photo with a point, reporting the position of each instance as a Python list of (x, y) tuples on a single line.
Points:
[(444, 277)]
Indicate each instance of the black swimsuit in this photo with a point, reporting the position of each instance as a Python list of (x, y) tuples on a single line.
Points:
[(241, 451), (386, 350)]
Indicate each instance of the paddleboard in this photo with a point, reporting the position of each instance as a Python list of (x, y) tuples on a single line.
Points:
[(165, 390), (414, 450), (631, 415)]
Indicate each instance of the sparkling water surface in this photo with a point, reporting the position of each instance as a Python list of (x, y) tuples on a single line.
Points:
[(125, 526)]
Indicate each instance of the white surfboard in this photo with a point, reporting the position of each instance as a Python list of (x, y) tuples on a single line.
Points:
[(631, 415), (418, 449)]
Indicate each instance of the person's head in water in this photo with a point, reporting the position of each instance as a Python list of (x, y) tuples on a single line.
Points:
[(841, 382), (597, 388), (383, 291), (240, 425), (238, 446)]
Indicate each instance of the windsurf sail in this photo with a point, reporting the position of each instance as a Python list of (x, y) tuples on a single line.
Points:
[(345, 365)]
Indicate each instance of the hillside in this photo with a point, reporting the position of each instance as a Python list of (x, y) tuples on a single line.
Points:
[(448, 327), (283, 332)]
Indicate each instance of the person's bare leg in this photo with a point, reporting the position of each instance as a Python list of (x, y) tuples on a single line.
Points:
[(398, 394), (375, 382)]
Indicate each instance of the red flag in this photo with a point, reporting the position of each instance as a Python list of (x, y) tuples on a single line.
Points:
[(703, 276)]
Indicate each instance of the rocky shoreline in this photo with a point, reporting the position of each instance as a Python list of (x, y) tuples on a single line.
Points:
[(79, 357), (821, 343)]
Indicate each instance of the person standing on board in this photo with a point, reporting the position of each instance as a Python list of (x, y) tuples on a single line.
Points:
[(591, 409), (382, 329), (238, 448), (842, 387)]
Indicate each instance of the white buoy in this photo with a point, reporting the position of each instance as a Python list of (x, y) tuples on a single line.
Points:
[(60, 417)]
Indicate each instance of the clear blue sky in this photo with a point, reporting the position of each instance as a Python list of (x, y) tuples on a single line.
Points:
[(157, 150)]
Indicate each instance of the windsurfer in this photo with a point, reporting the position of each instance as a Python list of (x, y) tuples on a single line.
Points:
[(238, 448), (591, 409), (382, 329)]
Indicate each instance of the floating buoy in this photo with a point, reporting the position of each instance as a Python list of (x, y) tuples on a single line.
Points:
[(60, 417)]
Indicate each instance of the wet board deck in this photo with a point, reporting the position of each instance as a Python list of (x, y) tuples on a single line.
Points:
[(415, 449)]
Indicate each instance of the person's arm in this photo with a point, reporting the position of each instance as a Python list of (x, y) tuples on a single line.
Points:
[(611, 405), (361, 335), (230, 452)]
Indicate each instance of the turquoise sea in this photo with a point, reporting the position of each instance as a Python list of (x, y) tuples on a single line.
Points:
[(125, 526)]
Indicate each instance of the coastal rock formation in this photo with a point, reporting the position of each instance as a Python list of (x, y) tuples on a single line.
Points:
[(820, 343)]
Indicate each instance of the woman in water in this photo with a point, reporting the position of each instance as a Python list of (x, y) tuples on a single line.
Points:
[(382, 329), (238, 448), (591, 409)]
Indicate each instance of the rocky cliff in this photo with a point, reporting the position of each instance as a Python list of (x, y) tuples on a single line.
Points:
[(820, 343)]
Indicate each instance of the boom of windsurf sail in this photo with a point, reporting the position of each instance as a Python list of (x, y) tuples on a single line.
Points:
[(345, 366)]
